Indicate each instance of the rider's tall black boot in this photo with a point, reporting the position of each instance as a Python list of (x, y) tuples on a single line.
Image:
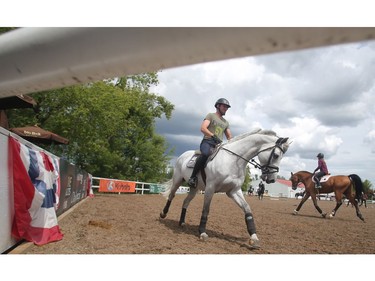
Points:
[(193, 181), (317, 181)]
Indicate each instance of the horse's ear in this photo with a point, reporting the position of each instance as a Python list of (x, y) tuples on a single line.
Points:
[(291, 174), (281, 140)]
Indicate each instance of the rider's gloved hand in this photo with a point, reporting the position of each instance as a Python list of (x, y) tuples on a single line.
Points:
[(216, 139)]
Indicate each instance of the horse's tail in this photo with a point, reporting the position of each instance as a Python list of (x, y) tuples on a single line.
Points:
[(167, 188), (357, 185)]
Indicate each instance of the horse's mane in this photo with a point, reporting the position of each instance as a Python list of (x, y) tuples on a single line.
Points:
[(305, 172), (253, 132)]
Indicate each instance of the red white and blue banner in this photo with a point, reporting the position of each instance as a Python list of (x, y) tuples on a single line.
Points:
[(35, 177)]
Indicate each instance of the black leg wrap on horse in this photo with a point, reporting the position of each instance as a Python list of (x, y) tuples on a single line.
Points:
[(182, 217), (250, 223), (166, 208), (202, 225)]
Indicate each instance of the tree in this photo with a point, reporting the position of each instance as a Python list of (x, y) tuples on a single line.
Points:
[(367, 189), (247, 180), (110, 125), (6, 29)]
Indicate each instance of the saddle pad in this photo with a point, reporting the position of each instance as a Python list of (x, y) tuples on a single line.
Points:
[(325, 178), (193, 159)]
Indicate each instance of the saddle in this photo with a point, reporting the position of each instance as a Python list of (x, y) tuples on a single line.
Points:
[(322, 179), (193, 159)]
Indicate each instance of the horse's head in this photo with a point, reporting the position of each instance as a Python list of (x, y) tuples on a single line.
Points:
[(295, 180), (270, 157)]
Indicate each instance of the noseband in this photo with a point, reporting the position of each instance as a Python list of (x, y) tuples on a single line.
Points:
[(268, 168)]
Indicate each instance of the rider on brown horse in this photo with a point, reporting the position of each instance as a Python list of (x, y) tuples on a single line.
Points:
[(322, 166)]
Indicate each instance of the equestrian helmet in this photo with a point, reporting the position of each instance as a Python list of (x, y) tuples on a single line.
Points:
[(320, 155), (222, 101)]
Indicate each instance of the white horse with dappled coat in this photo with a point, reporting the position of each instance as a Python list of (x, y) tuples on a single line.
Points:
[(225, 172)]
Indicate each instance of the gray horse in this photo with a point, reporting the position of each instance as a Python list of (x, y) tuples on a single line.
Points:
[(225, 172)]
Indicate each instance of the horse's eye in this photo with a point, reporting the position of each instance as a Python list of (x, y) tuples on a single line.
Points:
[(275, 156)]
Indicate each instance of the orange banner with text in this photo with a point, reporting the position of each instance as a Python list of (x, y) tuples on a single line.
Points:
[(106, 185)]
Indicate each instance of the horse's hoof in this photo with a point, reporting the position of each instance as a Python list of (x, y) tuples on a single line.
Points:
[(331, 216), (162, 215), (254, 243), (324, 215), (182, 224), (295, 212), (203, 236)]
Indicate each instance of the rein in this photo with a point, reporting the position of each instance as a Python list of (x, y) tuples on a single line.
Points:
[(265, 168)]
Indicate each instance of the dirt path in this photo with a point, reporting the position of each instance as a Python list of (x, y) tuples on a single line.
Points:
[(130, 224)]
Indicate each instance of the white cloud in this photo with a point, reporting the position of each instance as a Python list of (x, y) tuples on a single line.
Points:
[(232, 72), (370, 137), (310, 137), (323, 99), (369, 140)]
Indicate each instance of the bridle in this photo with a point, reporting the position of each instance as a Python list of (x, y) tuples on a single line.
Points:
[(268, 168), (298, 181)]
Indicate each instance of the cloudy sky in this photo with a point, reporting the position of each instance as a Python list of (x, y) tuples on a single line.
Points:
[(322, 98)]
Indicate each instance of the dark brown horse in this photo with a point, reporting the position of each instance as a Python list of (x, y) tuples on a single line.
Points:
[(340, 185)]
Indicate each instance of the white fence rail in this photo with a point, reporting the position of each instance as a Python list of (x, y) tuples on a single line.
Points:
[(141, 187)]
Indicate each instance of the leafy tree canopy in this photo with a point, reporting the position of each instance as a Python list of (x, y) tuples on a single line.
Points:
[(6, 29), (110, 125)]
